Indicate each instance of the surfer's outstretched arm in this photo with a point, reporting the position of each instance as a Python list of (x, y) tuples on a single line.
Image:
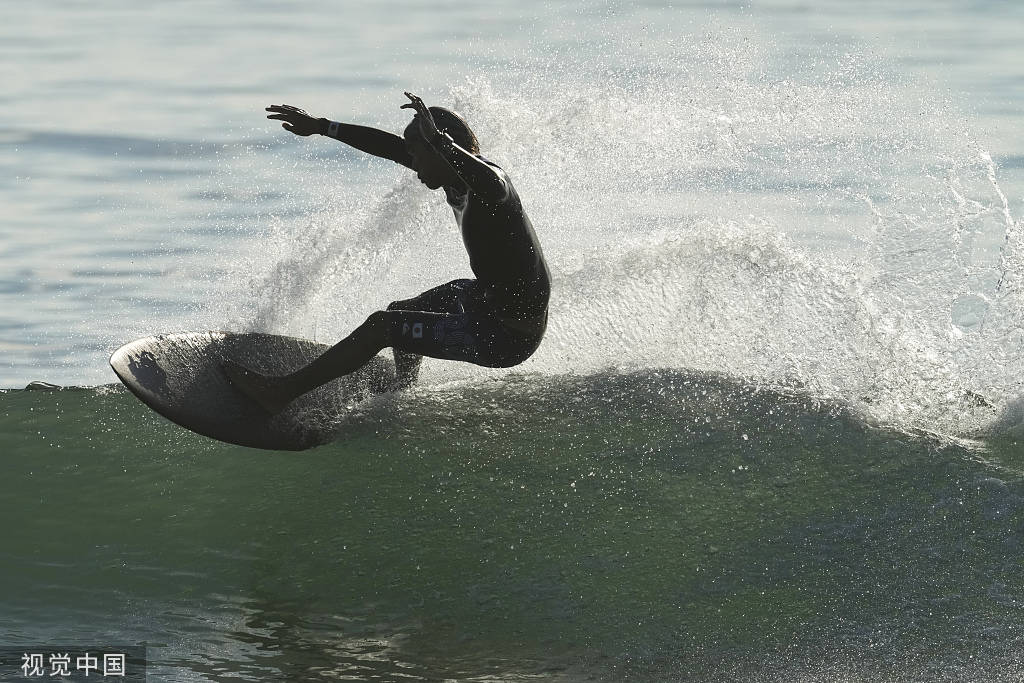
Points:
[(379, 143)]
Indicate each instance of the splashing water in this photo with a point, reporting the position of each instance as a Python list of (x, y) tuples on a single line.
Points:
[(825, 225)]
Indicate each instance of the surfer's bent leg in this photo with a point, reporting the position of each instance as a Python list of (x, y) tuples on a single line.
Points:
[(412, 335), (348, 355), (446, 298), (478, 338)]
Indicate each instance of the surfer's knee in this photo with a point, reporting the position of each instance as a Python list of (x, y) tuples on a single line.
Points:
[(376, 325)]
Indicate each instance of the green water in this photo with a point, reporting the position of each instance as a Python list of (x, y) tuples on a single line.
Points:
[(655, 525)]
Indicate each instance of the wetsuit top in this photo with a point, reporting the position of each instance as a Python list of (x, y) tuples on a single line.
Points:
[(504, 252)]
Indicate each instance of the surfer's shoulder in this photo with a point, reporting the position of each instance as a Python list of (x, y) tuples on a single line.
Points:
[(509, 191)]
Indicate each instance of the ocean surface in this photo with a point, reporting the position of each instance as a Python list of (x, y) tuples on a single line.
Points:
[(775, 431)]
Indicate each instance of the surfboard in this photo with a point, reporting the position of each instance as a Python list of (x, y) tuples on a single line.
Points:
[(180, 376)]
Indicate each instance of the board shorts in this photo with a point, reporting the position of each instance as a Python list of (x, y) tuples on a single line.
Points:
[(455, 322)]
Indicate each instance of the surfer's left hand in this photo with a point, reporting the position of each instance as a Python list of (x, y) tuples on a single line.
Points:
[(427, 126), (295, 120)]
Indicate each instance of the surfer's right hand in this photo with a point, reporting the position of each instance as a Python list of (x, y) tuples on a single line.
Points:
[(295, 120)]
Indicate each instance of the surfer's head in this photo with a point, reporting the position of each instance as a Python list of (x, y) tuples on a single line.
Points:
[(431, 169)]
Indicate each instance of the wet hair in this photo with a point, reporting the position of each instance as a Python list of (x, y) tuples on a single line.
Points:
[(453, 124)]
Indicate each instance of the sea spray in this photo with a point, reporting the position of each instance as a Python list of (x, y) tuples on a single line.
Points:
[(828, 225)]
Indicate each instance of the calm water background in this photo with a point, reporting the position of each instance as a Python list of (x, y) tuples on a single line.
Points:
[(773, 432)]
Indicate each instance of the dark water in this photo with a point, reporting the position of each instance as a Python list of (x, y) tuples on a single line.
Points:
[(656, 525)]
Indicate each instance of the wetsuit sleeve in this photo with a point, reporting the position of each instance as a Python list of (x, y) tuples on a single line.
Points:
[(379, 143), (484, 180)]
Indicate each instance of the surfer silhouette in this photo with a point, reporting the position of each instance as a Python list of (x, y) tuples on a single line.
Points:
[(496, 319)]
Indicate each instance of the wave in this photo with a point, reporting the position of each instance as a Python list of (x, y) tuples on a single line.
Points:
[(563, 527)]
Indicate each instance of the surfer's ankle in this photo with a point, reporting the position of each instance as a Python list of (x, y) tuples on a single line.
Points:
[(271, 392), (258, 387)]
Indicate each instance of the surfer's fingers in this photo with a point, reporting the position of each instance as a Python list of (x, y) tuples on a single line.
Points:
[(285, 109), (415, 102)]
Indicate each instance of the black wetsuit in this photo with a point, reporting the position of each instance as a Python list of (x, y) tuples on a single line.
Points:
[(495, 320)]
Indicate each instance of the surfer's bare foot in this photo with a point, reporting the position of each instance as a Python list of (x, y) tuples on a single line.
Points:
[(266, 391)]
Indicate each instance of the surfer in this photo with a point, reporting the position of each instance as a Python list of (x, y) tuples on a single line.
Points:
[(495, 320)]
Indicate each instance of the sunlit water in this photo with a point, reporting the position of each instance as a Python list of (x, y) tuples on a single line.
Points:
[(814, 200)]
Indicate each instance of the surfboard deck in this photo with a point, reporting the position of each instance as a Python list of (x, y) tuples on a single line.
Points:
[(180, 377)]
